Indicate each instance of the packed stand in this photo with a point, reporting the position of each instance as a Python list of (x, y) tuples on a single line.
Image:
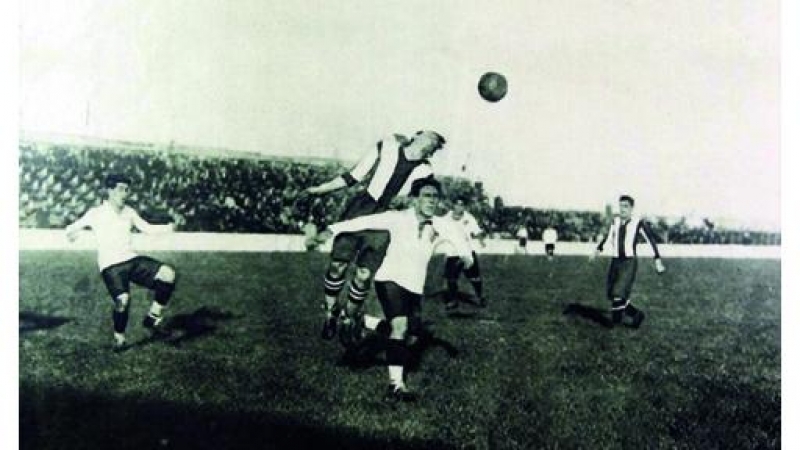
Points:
[(203, 193)]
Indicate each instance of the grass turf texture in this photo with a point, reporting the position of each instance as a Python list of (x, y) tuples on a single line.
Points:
[(246, 368)]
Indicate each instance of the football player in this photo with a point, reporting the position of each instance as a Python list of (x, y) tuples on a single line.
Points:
[(623, 234), (453, 266), (112, 223), (385, 169), (414, 235)]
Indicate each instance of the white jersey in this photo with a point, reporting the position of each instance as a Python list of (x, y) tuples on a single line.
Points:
[(469, 227), (112, 230), (550, 236), (522, 233), (411, 246)]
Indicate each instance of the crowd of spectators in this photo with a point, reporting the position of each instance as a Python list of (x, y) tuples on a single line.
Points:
[(256, 194)]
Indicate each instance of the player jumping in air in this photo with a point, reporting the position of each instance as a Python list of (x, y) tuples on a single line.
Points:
[(393, 162), (623, 235), (415, 233), (112, 222), (453, 265)]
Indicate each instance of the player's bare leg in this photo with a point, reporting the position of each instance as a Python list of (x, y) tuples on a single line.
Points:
[(334, 283)]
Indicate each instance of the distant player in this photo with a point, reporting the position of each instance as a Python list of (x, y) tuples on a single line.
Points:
[(623, 236), (399, 282), (453, 267), (522, 239), (112, 223), (393, 162), (550, 237)]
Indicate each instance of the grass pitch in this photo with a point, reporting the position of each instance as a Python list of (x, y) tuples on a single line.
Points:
[(246, 368)]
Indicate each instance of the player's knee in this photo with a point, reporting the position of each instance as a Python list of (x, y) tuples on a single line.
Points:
[(363, 275), (121, 302), (399, 326), (337, 268), (166, 274)]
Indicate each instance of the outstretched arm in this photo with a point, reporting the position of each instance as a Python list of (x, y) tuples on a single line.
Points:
[(148, 228), (73, 229), (354, 176)]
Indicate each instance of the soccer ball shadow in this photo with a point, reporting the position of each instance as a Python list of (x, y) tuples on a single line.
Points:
[(202, 322)]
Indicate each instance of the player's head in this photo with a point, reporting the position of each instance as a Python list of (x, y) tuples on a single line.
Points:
[(428, 142), (459, 205), (426, 193), (625, 206), (117, 186)]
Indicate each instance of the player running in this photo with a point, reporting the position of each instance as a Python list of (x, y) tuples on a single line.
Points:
[(453, 266), (623, 235), (112, 222), (394, 162), (415, 233)]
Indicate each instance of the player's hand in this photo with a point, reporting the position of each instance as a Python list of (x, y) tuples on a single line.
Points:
[(660, 266)]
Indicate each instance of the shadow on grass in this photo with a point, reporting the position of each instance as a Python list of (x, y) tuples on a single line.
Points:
[(370, 352), (31, 321), (58, 418), (596, 315), (201, 322)]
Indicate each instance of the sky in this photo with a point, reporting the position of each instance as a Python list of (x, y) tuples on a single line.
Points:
[(676, 103)]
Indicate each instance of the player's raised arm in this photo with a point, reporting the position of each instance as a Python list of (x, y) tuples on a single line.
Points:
[(73, 229), (381, 221), (148, 228), (350, 178)]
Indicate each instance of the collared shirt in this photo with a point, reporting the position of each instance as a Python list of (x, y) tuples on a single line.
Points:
[(411, 246)]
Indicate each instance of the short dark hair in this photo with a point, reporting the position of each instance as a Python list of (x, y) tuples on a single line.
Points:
[(626, 198), (439, 138), (418, 184), (112, 180), (461, 198)]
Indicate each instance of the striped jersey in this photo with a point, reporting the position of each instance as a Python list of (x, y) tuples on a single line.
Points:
[(622, 237), (112, 230), (392, 173), (412, 244)]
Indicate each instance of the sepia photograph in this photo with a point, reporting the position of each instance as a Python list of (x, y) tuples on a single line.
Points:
[(391, 224)]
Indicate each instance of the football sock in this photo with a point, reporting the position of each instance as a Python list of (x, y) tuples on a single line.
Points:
[(371, 322), (333, 286), (120, 321), (617, 307), (356, 296), (396, 356), (156, 309), (163, 291), (477, 284)]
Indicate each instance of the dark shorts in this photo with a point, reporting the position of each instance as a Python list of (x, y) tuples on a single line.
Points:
[(397, 301), (453, 267), (549, 249), (367, 248), (523, 242), (621, 275), (141, 270)]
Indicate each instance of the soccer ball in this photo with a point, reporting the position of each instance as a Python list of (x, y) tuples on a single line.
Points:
[(492, 87)]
